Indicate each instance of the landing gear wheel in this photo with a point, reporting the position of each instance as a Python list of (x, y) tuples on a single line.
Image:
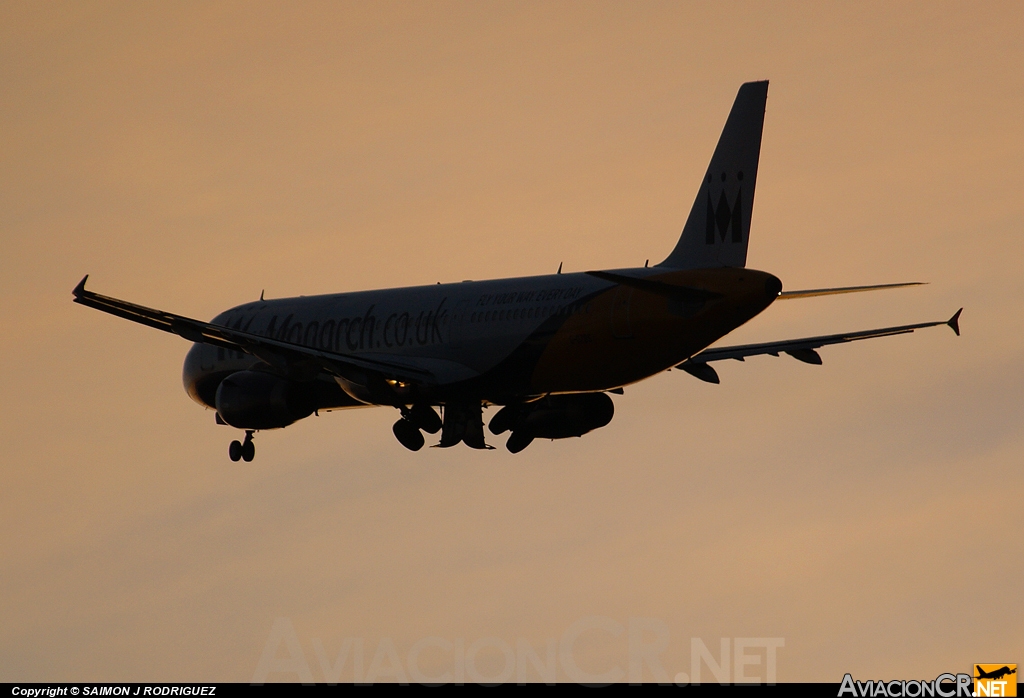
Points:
[(408, 435), (248, 448), (518, 441), (505, 419), (424, 417), (235, 451)]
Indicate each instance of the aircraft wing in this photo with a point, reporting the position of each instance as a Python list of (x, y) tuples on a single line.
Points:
[(284, 356), (801, 349)]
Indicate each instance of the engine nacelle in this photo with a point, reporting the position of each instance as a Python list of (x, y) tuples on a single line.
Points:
[(556, 416), (258, 400)]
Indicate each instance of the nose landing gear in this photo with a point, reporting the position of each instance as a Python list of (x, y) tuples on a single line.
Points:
[(244, 450)]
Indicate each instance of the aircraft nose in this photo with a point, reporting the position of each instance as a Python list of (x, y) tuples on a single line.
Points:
[(193, 373), (772, 287)]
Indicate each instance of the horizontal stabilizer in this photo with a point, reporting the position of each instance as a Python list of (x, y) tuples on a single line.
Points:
[(811, 293)]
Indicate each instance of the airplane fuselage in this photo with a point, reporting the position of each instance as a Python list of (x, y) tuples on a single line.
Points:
[(495, 341)]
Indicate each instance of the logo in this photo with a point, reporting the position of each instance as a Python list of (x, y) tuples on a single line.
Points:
[(995, 680), (723, 217), (943, 686), (988, 680)]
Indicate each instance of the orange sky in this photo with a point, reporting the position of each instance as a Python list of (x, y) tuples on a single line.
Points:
[(189, 155)]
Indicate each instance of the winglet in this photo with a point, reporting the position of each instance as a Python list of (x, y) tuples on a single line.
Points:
[(954, 322), (80, 288)]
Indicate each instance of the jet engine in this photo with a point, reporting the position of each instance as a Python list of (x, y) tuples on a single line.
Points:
[(554, 417), (259, 400)]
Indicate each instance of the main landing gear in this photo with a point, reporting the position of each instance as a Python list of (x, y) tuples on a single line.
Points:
[(462, 423), (408, 434), (244, 450), (407, 429)]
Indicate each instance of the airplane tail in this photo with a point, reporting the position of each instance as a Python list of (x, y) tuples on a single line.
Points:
[(717, 229)]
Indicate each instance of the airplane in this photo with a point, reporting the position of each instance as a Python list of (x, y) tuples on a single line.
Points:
[(996, 674), (547, 350)]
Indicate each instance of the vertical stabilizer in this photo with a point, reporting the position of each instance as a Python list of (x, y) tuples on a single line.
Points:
[(718, 227)]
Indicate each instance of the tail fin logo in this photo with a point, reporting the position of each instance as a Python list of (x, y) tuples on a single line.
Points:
[(723, 217)]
